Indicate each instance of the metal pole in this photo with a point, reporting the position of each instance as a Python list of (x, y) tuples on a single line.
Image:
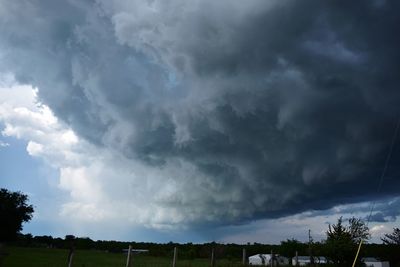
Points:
[(309, 247)]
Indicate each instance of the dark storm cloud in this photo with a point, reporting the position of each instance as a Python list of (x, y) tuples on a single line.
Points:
[(388, 210), (378, 217), (279, 108)]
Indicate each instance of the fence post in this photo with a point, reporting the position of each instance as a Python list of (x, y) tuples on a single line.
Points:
[(175, 257), (128, 258), (70, 257), (244, 256), (212, 258), (297, 258), (272, 259)]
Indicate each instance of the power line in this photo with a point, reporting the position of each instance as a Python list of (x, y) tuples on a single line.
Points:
[(389, 155)]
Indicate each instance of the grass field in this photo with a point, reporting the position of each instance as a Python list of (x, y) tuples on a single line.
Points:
[(45, 257)]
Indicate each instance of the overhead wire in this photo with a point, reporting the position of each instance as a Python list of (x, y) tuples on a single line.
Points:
[(385, 167)]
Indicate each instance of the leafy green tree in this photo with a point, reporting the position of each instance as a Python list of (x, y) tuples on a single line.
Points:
[(342, 241), (14, 210), (393, 238)]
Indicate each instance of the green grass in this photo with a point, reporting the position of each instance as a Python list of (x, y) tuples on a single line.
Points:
[(45, 257)]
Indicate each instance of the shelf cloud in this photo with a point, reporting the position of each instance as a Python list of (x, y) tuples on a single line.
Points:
[(183, 113)]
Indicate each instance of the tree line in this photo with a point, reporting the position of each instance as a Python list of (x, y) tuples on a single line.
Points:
[(340, 246)]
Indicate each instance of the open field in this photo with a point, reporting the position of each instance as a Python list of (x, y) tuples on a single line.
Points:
[(45, 257)]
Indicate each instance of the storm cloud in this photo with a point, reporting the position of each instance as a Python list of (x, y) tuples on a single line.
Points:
[(239, 110)]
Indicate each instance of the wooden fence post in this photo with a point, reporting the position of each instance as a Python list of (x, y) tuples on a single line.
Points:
[(175, 257), (272, 259), (128, 259), (212, 258), (70, 257), (244, 256)]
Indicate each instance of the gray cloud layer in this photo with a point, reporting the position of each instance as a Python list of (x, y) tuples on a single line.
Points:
[(279, 107)]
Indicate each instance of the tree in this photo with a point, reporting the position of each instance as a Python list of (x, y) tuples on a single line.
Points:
[(289, 247), (14, 210), (358, 230), (342, 240), (393, 238)]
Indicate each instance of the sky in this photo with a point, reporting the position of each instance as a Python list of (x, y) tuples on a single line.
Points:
[(201, 120)]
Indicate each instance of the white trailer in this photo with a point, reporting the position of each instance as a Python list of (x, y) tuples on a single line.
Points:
[(373, 262), (305, 260), (265, 259), (260, 259)]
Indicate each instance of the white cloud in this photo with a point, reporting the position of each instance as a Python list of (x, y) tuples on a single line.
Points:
[(34, 149), (379, 230), (4, 144)]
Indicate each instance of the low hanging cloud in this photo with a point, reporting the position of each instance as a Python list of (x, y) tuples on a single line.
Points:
[(201, 112)]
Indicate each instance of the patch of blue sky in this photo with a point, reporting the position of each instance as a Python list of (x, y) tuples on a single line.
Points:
[(21, 172)]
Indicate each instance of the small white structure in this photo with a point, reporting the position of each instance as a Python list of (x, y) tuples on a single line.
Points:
[(265, 259), (304, 260), (301, 260), (320, 260), (372, 262), (260, 259)]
